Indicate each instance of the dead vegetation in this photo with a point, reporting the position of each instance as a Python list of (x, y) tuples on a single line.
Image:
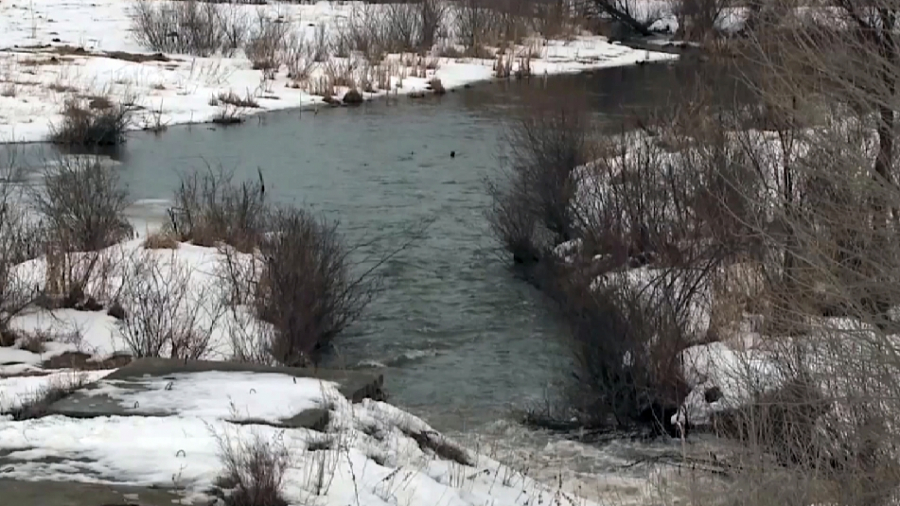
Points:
[(209, 208), (253, 471), (202, 28), (91, 127), (775, 222), (371, 32), (83, 202), (168, 313), (37, 405), (306, 288)]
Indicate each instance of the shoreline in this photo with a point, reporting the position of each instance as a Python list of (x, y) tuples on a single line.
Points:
[(83, 52), (314, 102)]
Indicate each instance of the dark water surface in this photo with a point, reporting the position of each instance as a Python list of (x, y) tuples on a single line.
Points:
[(459, 338)]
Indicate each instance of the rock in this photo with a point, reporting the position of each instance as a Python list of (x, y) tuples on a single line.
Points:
[(353, 97)]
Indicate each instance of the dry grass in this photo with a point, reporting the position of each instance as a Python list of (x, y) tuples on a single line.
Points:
[(137, 57), (231, 98), (161, 240), (210, 208), (62, 87), (33, 342), (89, 127), (254, 471), (38, 405)]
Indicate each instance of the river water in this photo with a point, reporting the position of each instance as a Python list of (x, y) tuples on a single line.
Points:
[(459, 338)]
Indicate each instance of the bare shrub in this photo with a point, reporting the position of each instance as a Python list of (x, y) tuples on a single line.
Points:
[(366, 30), (83, 202), (188, 27), (266, 43), (210, 208), (82, 126), (306, 289), (627, 337), (168, 313), (553, 19), (812, 396), (254, 471), (235, 26), (477, 25), (414, 26), (321, 45), (697, 19), (532, 210), (20, 239), (300, 57)]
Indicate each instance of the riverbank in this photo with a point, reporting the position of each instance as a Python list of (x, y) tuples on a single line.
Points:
[(56, 52), (203, 429)]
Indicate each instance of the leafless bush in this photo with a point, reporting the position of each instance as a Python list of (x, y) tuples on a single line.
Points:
[(229, 114), (628, 330), (414, 26), (235, 26), (300, 57), (168, 313), (254, 471), (815, 402), (20, 239), (266, 43), (554, 18), (697, 19), (321, 45), (187, 27), (83, 202), (532, 202), (638, 16), (210, 208), (477, 25), (366, 30), (82, 126), (306, 289)]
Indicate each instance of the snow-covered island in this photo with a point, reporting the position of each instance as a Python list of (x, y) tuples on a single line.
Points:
[(57, 52)]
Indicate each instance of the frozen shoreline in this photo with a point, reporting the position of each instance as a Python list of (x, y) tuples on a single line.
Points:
[(58, 50)]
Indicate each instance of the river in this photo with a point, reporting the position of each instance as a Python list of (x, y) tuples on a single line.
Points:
[(459, 338)]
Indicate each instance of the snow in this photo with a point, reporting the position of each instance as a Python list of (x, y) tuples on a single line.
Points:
[(189, 274), (366, 455), (18, 390), (217, 395), (37, 75)]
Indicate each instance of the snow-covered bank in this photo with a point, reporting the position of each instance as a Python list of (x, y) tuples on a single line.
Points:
[(56, 50), (370, 453)]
